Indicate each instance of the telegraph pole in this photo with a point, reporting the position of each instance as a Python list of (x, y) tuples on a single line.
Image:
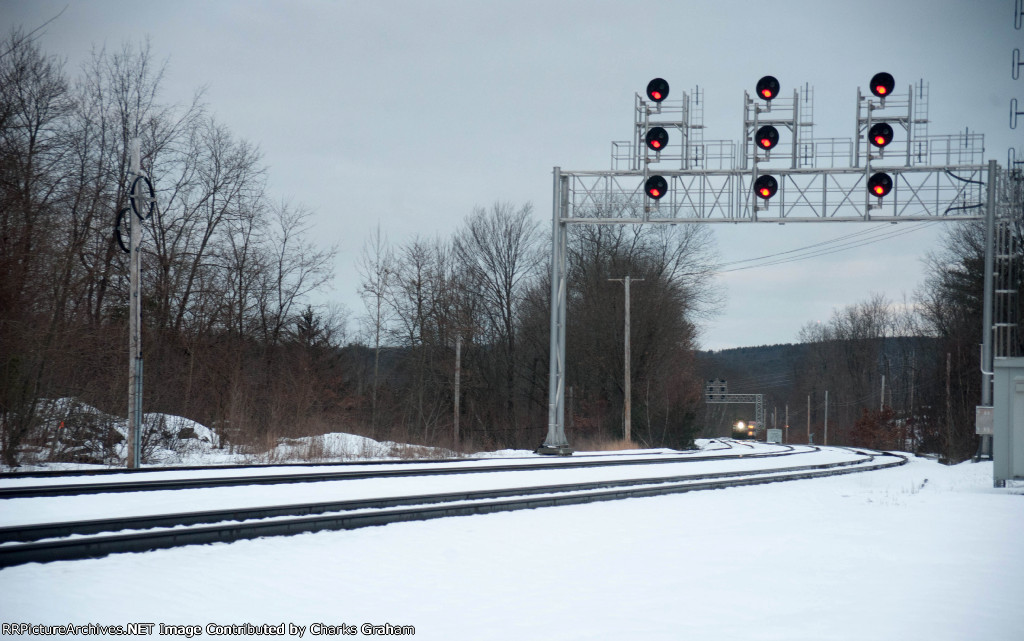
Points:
[(458, 377), (627, 388), (826, 418)]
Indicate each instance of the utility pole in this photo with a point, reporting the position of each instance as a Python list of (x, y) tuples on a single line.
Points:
[(458, 377), (135, 313), (786, 437), (808, 419), (949, 409), (826, 417), (627, 389), (910, 414), (881, 403)]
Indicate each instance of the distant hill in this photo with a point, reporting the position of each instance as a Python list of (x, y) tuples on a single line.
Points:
[(786, 376), (749, 370)]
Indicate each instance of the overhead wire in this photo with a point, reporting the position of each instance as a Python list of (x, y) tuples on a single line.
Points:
[(841, 243), (800, 249)]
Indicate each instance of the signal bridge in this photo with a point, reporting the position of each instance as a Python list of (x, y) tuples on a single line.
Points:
[(891, 171)]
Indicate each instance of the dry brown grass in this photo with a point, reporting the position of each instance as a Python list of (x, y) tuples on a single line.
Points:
[(604, 445)]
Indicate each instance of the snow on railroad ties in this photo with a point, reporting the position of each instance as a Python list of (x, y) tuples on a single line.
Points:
[(920, 551), (23, 511)]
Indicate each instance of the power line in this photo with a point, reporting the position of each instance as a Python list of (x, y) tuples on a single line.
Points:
[(799, 249), (843, 246)]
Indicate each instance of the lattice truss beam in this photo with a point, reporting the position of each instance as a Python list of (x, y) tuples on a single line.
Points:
[(757, 400), (807, 195)]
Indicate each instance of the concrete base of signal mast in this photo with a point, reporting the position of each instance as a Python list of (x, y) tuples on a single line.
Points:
[(554, 450)]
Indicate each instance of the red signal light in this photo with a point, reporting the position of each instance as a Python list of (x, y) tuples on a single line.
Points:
[(657, 89), (880, 134), (767, 137), (656, 187), (766, 186), (656, 138), (880, 184), (882, 84), (768, 87)]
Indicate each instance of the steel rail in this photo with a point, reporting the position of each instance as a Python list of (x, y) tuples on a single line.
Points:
[(94, 547), (35, 532), (75, 489), (257, 466)]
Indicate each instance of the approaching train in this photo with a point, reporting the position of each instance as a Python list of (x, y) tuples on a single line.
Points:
[(745, 430)]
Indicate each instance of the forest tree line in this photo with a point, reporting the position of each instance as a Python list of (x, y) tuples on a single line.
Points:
[(230, 335)]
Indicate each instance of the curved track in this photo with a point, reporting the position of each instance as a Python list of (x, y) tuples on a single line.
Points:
[(225, 525), (429, 469)]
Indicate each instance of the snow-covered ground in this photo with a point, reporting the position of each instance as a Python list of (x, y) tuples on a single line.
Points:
[(921, 551)]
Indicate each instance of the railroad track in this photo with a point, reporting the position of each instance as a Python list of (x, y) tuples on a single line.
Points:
[(109, 471), (449, 467), (49, 542)]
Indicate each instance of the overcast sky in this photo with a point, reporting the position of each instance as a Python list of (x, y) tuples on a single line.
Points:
[(410, 114)]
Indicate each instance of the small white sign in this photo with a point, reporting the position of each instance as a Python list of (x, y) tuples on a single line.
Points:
[(774, 436), (983, 420)]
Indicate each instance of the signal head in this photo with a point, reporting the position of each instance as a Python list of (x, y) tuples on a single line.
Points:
[(767, 137), (767, 88), (882, 84), (657, 89), (765, 186), (656, 187), (657, 138), (880, 184), (880, 134)]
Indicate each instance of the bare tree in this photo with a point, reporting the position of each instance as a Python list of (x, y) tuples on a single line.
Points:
[(294, 268), (498, 252), (34, 107), (376, 268)]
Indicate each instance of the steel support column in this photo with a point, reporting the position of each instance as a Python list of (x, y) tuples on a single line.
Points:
[(987, 373), (556, 441), (986, 312)]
